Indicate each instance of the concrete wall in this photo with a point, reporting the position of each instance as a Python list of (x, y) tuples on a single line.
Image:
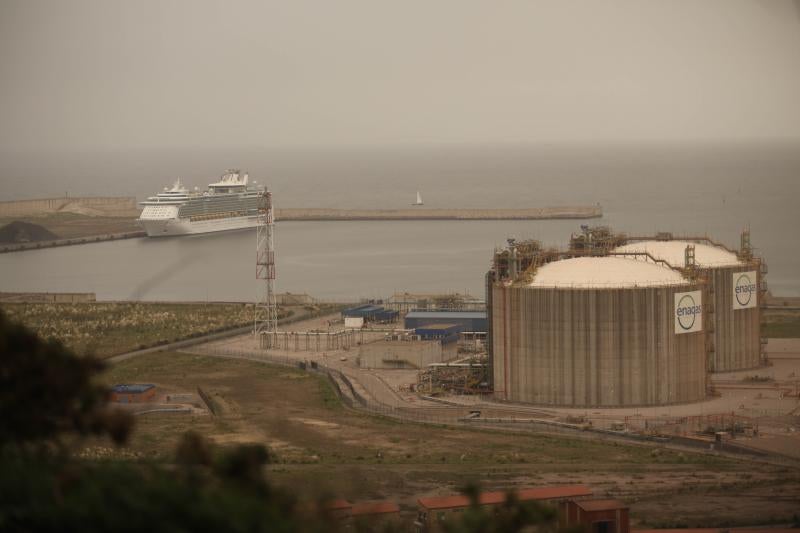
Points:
[(404, 354), (578, 212), (737, 332), (467, 323), (101, 205), (594, 347), (47, 297)]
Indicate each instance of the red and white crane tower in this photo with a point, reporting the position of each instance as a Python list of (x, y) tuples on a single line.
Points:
[(266, 308)]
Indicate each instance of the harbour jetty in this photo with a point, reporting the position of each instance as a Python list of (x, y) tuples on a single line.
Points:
[(536, 213), (89, 227), (109, 206), (22, 246)]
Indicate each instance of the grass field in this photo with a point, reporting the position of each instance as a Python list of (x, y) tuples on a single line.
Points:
[(322, 447), (108, 329), (113, 328), (301, 409), (779, 323)]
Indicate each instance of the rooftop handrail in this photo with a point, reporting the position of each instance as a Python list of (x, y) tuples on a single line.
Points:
[(691, 238)]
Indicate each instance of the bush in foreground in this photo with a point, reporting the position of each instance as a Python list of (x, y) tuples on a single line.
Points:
[(50, 399)]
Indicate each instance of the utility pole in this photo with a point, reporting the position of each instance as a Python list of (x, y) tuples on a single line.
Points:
[(266, 308)]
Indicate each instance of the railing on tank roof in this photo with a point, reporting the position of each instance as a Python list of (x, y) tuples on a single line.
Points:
[(691, 238), (550, 256)]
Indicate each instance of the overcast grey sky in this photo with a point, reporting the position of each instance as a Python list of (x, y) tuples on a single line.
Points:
[(103, 74)]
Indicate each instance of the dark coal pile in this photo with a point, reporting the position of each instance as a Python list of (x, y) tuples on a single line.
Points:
[(19, 232)]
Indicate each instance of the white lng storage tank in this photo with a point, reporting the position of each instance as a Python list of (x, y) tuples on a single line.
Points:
[(735, 281), (597, 332)]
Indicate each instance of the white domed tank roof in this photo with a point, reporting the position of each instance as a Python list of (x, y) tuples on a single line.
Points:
[(674, 253), (605, 272)]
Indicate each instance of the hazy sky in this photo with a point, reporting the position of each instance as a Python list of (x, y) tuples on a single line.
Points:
[(83, 75)]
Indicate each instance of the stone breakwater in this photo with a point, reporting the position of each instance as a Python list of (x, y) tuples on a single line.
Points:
[(20, 247), (322, 214), (109, 206), (573, 212), (47, 297)]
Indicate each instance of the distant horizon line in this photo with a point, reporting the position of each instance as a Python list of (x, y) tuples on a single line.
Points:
[(417, 145)]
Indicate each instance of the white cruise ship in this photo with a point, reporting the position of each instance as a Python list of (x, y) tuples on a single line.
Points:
[(230, 203)]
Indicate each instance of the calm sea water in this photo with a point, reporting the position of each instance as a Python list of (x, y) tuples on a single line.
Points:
[(714, 190)]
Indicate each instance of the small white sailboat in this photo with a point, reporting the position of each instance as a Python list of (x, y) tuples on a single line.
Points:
[(419, 200)]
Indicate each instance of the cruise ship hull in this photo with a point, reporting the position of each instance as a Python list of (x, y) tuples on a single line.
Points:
[(228, 204), (184, 226)]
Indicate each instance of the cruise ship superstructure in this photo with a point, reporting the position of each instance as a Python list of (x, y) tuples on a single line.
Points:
[(230, 203)]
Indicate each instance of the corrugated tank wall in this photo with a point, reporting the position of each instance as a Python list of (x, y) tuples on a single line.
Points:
[(737, 332), (489, 283), (499, 336), (594, 347)]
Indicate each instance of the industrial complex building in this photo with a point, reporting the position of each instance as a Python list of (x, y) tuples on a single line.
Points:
[(405, 351), (611, 320), (418, 348), (620, 321)]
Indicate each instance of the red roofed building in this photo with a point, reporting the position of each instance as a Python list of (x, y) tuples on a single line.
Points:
[(437, 510), (718, 530), (595, 516), (375, 513), (339, 508), (134, 393)]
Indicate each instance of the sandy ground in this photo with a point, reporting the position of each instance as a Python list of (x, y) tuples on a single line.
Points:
[(388, 387), (771, 405)]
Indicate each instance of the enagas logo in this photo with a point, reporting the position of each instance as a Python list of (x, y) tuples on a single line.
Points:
[(744, 288), (687, 312)]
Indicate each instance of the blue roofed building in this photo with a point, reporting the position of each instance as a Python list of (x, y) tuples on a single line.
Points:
[(133, 393), (446, 333), (468, 320)]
